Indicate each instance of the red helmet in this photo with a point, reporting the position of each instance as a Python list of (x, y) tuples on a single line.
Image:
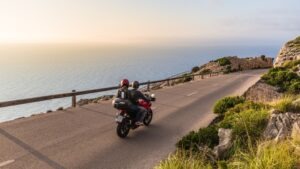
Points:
[(124, 82)]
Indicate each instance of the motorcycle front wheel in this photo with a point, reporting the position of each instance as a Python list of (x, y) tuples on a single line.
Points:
[(148, 118), (123, 129)]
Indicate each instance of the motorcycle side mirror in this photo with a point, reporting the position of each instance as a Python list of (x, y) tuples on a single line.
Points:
[(152, 96)]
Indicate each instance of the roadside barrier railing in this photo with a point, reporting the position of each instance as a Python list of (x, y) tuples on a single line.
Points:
[(75, 93)]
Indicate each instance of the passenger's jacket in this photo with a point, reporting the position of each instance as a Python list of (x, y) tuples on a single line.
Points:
[(135, 95)]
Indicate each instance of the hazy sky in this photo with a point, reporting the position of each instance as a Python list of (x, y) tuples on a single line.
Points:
[(131, 21)]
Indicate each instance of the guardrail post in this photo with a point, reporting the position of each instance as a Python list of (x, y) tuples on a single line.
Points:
[(148, 86), (202, 76), (210, 75), (168, 82), (74, 99)]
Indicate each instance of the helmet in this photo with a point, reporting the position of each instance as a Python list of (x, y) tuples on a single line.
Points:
[(124, 82), (135, 84)]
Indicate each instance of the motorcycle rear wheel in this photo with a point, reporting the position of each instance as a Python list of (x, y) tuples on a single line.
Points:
[(123, 129)]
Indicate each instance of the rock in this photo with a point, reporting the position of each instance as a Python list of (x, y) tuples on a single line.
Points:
[(271, 130), (262, 92), (106, 97), (280, 125), (59, 109), (289, 52), (296, 131), (225, 142), (82, 102)]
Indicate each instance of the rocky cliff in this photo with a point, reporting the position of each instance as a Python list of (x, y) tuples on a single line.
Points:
[(289, 52), (233, 63)]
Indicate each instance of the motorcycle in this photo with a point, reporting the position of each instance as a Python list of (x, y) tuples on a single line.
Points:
[(125, 119)]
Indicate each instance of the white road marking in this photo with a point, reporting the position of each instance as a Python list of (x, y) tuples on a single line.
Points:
[(192, 93), (6, 163)]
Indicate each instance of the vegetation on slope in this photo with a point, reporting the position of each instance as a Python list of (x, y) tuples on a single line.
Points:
[(247, 120), (283, 78)]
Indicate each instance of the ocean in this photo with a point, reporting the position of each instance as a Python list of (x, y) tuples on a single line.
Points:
[(37, 70)]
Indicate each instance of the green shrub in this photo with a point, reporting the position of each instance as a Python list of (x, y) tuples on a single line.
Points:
[(205, 136), (294, 88), (224, 104), (223, 61), (195, 69), (282, 78), (263, 57), (295, 69)]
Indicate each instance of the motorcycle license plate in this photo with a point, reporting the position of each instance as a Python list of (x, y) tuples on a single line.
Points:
[(119, 118)]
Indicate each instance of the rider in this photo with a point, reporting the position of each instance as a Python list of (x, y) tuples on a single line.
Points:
[(124, 93), (135, 95)]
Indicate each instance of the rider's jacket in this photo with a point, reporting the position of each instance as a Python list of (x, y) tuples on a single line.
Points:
[(123, 93)]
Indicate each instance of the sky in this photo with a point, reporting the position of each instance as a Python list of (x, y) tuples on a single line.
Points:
[(148, 21)]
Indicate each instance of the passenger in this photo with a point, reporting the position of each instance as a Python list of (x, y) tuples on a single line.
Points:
[(135, 95)]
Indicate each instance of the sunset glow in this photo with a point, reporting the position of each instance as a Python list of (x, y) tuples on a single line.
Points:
[(120, 21)]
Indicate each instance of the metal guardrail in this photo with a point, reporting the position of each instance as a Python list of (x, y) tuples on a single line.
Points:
[(75, 93)]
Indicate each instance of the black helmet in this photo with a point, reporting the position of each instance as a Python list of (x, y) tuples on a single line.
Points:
[(135, 84)]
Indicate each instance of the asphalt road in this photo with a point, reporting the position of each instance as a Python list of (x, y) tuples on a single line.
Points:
[(85, 137)]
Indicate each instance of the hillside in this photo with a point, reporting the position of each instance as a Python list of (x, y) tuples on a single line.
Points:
[(234, 63), (260, 129)]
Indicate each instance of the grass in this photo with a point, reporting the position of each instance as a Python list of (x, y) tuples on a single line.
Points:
[(286, 104), (184, 160), (268, 155), (291, 64), (265, 155)]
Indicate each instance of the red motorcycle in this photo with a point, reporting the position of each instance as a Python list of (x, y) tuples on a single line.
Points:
[(125, 118)]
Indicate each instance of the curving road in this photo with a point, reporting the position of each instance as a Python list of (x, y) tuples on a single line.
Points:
[(85, 138)]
